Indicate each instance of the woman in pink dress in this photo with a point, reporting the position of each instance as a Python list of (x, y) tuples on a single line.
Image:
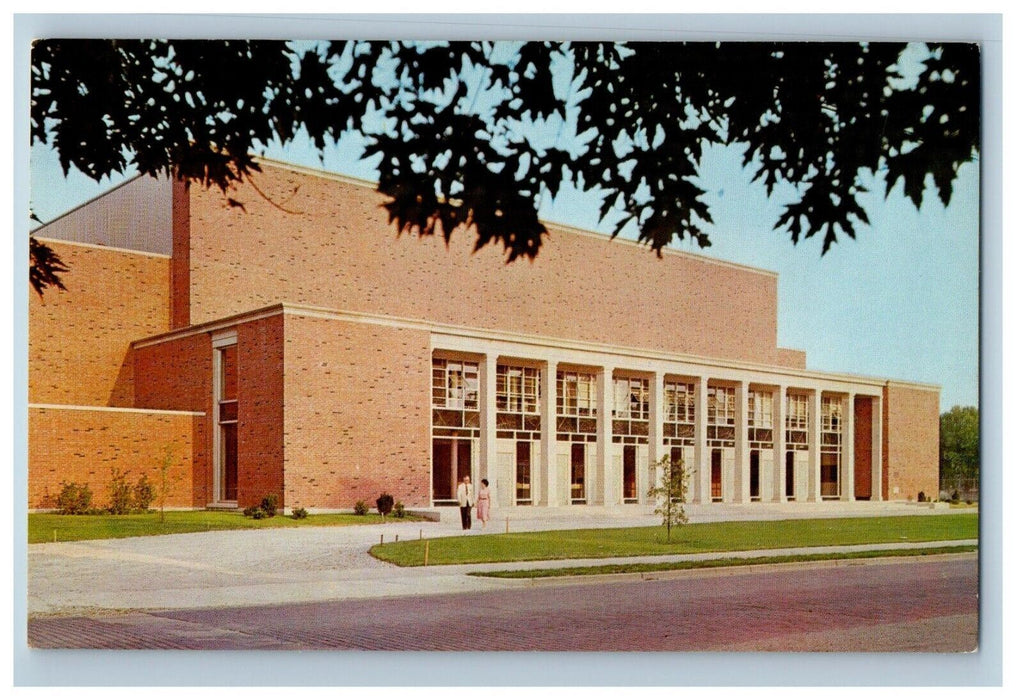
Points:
[(483, 503)]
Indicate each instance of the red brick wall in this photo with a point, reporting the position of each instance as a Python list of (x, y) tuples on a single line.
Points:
[(358, 413), (910, 441), (261, 410), (79, 340), (179, 290), (177, 375), (863, 442), (74, 445), (336, 250)]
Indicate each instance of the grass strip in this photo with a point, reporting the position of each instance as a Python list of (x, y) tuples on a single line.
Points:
[(52, 527), (689, 539), (717, 563)]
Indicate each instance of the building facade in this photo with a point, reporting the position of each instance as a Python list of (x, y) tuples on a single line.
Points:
[(294, 345)]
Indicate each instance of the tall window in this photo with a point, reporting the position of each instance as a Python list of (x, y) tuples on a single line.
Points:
[(577, 407), (760, 419), (721, 416), (518, 402), (679, 413), (831, 445), (631, 410), (797, 412), (227, 422), (456, 402)]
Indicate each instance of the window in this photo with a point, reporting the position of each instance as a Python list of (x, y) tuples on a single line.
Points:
[(456, 385), (576, 407), (679, 413), (761, 409), (630, 412), (518, 389), (720, 405)]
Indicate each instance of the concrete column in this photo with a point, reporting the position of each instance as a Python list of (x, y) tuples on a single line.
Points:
[(604, 490), (488, 426), (701, 454), (548, 434), (875, 449), (778, 408), (847, 467), (655, 449), (813, 436), (741, 492)]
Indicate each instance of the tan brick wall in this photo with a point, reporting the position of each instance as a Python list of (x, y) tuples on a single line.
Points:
[(335, 249), (357, 421), (911, 417), (79, 340), (261, 410), (177, 375), (74, 445)]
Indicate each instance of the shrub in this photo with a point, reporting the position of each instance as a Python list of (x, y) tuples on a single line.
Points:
[(299, 513), (74, 499), (385, 504), (144, 493), (361, 508), (251, 511), (258, 514), (120, 492), (399, 510), (269, 505)]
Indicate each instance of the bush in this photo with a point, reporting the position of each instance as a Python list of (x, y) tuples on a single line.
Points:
[(251, 511), (299, 513), (144, 492), (385, 503), (269, 505), (920, 497), (74, 499), (361, 508), (120, 493), (399, 510)]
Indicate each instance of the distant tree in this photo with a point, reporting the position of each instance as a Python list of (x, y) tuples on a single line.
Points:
[(480, 133), (960, 443), (671, 492)]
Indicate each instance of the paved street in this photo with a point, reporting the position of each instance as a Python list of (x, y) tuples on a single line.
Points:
[(916, 604)]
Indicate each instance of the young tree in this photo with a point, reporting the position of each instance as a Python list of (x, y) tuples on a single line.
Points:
[(479, 134), (671, 493)]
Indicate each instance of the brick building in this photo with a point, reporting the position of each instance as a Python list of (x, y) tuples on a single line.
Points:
[(295, 345)]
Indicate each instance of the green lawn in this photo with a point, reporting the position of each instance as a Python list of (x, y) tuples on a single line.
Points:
[(48, 527), (701, 537), (717, 563)]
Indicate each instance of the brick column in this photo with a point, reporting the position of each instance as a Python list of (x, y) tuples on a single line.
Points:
[(548, 434), (604, 468)]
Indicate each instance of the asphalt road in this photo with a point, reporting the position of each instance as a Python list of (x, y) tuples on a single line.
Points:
[(918, 604)]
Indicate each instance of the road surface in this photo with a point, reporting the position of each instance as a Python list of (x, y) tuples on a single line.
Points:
[(913, 604)]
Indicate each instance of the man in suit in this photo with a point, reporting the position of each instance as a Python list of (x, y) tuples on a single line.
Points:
[(465, 502)]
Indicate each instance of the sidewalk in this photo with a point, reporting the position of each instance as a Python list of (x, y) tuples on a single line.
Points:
[(262, 567)]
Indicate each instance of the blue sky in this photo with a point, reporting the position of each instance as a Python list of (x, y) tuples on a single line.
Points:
[(900, 301)]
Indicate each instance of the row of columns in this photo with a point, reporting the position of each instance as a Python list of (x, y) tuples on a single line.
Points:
[(735, 487)]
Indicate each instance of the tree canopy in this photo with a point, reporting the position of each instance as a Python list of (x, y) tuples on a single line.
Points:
[(960, 443), (476, 134)]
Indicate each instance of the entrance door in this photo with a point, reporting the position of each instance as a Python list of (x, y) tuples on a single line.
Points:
[(523, 472), (451, 463), (578, 473), (715, 475), (790, 471), (629, 474), (829, 475), (754, 475)]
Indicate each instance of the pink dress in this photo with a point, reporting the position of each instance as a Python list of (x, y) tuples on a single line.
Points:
[(483, 505)]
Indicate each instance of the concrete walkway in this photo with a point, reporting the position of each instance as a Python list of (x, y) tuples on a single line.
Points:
[(261, 567)]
